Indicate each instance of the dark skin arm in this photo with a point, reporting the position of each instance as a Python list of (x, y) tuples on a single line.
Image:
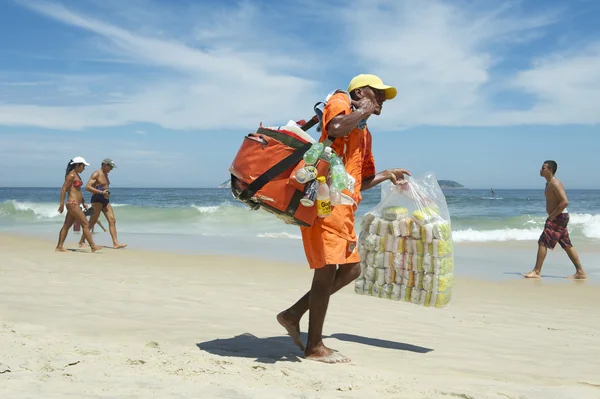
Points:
[(342, 125), (395, 175)]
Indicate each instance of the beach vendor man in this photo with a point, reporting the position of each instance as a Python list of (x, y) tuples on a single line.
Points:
[(330, 244), (98, 185)]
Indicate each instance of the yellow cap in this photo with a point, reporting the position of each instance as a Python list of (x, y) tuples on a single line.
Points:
[(321, 179), (373, 81)]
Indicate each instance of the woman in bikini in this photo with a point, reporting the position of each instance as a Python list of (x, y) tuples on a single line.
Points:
[(72, 186)]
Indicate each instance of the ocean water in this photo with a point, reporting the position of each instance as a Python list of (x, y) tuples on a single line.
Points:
[(514, 215)]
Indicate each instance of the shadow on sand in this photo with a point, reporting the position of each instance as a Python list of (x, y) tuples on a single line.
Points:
[(282, 349), (380, 343)]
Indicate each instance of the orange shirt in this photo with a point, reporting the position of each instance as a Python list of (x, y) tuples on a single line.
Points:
[(355, 150)]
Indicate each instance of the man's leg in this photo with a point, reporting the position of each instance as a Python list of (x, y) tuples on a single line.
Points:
[(290, 318), (97, 207), (541, 255), (579, 273), (112, 226), (85, 229), (320, 293)]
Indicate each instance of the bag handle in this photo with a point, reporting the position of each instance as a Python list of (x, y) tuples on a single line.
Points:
[(317, 120)]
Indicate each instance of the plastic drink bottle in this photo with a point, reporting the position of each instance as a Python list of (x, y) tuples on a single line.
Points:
[(323, 200), (336, 196), (312, 155), (306, 174), (339, 177), (326, 155)]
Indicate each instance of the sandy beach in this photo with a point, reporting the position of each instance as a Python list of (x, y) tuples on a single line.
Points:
[(141, 324)]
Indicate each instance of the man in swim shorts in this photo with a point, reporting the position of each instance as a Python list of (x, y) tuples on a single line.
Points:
[(98, 185), (555, 229), (330, 243)]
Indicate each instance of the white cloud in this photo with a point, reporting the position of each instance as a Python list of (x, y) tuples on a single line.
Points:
[(566, 86), (441, 58), (198, 89), (236, 67)]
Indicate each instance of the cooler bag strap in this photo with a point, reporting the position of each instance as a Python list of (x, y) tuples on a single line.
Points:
[(274, 171), (285, 163)]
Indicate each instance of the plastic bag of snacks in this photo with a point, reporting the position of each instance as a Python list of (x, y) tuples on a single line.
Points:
[(406, 246)]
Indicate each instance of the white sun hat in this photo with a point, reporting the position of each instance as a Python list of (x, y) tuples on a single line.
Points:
[(79, 160)]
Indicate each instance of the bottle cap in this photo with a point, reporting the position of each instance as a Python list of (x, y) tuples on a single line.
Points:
[(321, 179), (328, 150)]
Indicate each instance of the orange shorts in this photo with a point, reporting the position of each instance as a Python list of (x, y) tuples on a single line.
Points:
[(324, 247)]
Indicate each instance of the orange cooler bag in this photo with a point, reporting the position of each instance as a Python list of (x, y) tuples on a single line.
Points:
[(263, 174)]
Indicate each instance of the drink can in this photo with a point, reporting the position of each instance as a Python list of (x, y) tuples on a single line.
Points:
[(310, 194), (306, 174)]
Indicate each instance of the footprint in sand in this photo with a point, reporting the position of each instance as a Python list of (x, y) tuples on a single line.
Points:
[(135, 362), (47, 368), (87, 352), (4, 368)]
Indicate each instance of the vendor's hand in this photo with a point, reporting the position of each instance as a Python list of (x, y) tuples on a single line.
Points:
[(61, 208), (365, 104), (396, 175)]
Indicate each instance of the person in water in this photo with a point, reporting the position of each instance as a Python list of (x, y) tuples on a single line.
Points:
[(98, 185), (555, 229), (72, 186)]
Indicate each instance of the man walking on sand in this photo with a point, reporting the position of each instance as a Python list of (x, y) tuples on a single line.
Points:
[(555, 230), (98, 185), (330, 243)]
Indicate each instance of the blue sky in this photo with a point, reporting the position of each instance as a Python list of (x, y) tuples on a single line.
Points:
[(487, 90)]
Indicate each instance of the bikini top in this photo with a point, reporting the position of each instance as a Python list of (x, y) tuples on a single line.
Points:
[(78, 183)]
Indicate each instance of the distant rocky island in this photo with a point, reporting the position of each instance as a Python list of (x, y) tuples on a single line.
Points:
[(449, 184), (442, 183)]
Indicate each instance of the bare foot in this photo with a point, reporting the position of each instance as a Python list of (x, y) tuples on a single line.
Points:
[(119, 246), (292, 327), (97, 248), (83, 245), (61, 249), (532, 274), (577, 276), (325, 355)]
